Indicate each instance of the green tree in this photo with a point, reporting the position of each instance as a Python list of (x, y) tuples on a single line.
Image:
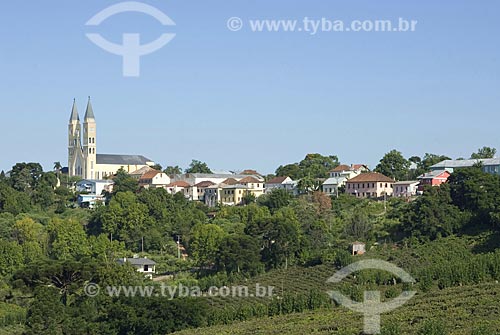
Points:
[(484, 152), (248, 198), (238, 253), (25, 176), (47, 313), (276, 199), (359, 226), (477, 192), (67, 239), (124, 182), (394, 165), (124, 218), (11, 257), (433, 214), (157, 167), (172, 170), (205, 243), (430, 159), (313, 166), (282, 239), (12, 201), (197, 166)]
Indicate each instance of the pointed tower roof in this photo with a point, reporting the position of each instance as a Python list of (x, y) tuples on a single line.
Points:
[(89, 113), (74, 112)]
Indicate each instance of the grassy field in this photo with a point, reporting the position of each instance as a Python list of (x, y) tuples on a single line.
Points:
[(466, 310)]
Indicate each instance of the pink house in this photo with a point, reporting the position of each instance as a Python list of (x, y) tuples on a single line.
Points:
[(370, 185), (433, 178)]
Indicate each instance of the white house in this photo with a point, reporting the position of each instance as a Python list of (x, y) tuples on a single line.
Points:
[(178, 186), (283, 183), (339, 176), (405, 188), (143, 265), (154, 179), (197, 191)]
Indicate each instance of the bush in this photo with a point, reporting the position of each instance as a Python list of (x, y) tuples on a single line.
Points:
[(433, 327)]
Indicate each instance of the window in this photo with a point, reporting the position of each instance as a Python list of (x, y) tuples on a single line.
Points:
[(373, 185), (146, 268)]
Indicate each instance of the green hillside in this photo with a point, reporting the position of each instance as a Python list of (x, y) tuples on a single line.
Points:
[(471, 310)]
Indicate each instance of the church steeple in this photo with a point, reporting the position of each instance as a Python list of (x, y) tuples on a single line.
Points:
[(75, 156), (74, 112), (89, 113), (89, 144)]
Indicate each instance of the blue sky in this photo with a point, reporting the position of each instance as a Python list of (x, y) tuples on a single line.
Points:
[(253, 100)]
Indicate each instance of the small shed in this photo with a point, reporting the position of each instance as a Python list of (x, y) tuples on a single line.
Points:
[(358, 248)]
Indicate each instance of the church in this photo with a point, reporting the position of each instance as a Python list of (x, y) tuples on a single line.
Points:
[(83, 159)]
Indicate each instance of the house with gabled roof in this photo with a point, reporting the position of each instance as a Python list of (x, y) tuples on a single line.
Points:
[(339, 175), (154, 179), (197, 191), (433, 178), (370, 185), (178, 186), (283, 182)]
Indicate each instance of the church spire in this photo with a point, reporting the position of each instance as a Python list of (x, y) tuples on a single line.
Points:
[(89, 113), (74, 113)]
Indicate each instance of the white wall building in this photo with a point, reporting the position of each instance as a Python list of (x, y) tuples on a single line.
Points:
[(405, 188)]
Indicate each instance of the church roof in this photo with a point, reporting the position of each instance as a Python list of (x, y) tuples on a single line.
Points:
[(74, 113), (122, 159), (89, 113)]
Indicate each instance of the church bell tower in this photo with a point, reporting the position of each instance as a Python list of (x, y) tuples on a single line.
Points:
[(89, 143)]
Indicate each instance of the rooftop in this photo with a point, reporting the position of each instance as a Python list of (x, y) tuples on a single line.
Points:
[(249, 179), (122, 159), (142, 171), (205, 183), (341, 167), (180, 183), (463, 163), (433, 174), (406, 182), (137, 261), (371, 177), (150, 174), (277, 180)]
